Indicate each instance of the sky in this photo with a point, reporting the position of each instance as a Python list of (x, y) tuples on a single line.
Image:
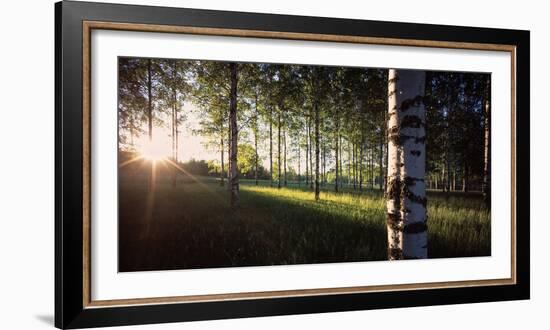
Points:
[(191, 146)]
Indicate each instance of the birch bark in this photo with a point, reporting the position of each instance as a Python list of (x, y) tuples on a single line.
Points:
[(406, 204)]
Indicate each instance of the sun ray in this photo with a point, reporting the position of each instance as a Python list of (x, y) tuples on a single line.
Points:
[(194, 178), (128, 162)]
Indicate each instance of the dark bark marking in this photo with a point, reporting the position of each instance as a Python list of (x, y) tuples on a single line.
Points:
[(412, 121), (394, 222), (395, 254), (414, 102), (415, 227)]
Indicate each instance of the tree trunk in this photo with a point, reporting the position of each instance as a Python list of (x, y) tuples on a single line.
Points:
[(386, 155), (222, 172), (132, 133), (234, 136), (317, 135), (406, 223), (361, 165), (299, 159), (174, 123), (373, 165), (279, 149), (229, 144), (284, 156), (323, 162), (256, 156), (307, 153), (271, 146), (176, 157), (336, 151), (353, 165), (349, 164), (151, 182), (448, 170), (381, 163), (486, 185), (341, 167), (256, 160), (311, 183)]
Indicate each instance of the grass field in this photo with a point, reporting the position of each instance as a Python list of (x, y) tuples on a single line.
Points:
[(192, 226)]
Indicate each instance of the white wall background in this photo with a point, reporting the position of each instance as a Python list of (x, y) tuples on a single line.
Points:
[(27, 153)]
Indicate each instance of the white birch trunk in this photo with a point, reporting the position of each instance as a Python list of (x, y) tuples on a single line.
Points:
[(407, 229), (394, 219)]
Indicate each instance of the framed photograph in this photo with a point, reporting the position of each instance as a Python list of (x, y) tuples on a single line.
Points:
[(215, 164)]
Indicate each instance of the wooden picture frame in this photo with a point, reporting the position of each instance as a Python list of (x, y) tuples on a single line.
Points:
[(74, 307)]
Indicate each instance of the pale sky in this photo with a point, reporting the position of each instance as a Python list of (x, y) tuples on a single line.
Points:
[(190, 146)]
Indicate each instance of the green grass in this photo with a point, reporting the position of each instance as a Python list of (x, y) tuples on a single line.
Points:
[(192, 225)]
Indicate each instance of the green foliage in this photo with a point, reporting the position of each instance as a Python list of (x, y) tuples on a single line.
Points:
[(246, 157)]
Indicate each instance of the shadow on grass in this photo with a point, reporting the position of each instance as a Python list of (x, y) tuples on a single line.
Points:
[(192, 226)]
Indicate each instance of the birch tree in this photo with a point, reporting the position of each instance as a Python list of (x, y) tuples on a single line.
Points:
[(406, 194)]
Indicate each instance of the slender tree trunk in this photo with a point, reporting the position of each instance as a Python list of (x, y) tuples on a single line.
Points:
[(229, 144), (222, 173), (353, 165), (337, 164), (349, 164), (486, 185), (271, 146), (341, 161), (299, 159), (361, 166), (174, 123), (279, 150), (317, 135), (176, 157), (234, 136), (256, 157), (132, 144), (448, 170), (381, 162), (284, 155), (407, 227), (372, 166), (311, 173), (336, 151), (323, 173), (150, 120), (307, 153), (386, 155), (443, 183)]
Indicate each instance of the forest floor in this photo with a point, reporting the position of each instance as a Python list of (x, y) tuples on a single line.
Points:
[(192, 226)]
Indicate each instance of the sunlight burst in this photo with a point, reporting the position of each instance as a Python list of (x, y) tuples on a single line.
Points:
[(151, 151)]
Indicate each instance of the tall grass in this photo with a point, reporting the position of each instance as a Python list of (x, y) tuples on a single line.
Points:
[(192, 225)]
